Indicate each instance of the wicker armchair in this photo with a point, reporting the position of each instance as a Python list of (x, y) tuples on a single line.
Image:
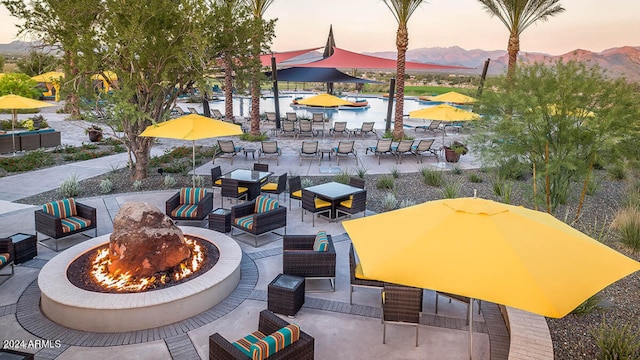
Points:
[(246, 218), (58, 225), (299, 258), (179, 208), (7, 255), (303, 349), (355, 204), (401, 305), (356, 276)]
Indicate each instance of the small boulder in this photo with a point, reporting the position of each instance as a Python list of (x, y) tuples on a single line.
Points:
[(145, 241)]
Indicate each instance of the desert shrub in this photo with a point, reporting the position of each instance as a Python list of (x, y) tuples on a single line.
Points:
[(65, 149), (626, 226), (119, 148), (169, 181), (456, 170), (475, 178), (385, 182), (592, 187), (254, 138), (617, 172), (406, 203), (451, 189), (198, 181), (180, 166), (512, 169), (361, 171), (137, 185), (395, 173), (616, 341), (70, 187), (390, 202), (588, 306), (343, 177), (106, 186), (432, 177), (306, 182)]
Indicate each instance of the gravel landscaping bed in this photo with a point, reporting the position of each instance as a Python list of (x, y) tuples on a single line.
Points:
[(572, 335)]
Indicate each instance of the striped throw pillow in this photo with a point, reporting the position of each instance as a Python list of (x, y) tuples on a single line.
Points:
[(191, 196), (322, 241), (275, 342), (245, 343), (4, 258), (61, 208), (264, 204)]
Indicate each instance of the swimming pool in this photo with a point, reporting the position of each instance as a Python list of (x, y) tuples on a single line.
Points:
[(354, 118)]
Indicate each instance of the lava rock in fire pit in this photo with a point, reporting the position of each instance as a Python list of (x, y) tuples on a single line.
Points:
[(144, 241)]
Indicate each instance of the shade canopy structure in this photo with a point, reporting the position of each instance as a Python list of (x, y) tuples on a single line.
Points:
[(347, 59), (192, 127), (51, 80), (454, 97), (299, 74), (486, 250), (16, 102), (324, 100), (265, 59)]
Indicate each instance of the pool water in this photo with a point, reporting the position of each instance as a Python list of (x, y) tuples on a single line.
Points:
[(377, 112)]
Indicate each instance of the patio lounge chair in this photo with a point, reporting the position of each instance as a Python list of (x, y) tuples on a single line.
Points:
[(291, 116), (367, 127), (227, 148), (270, 148), (382, 147), (424, 146), (305, 127), (189, 204), (259, 217), (404, 147), (401, 305), (357, 277), (433, 126), (270, 117), (193, 111), (309, 150), (7, 255), (304, 255), (288, 128), (345, 148), (339, 127), (216, 114), (62, 218), (269, 323)]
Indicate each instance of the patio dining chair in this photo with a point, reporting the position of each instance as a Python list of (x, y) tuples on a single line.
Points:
[(231, 189), (382, 147), (305, 127), (295, 189), (314, 205), (339, 127), (403, 147), (357, 277), (270, 148), (424, 146), (401, 305), (367, 127), (345, 148), (276, 187), (227, 148), (357, 182), (216, 174), (309, 150)]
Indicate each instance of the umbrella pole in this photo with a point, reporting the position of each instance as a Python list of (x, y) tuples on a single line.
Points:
[(470, 328), (193, 174), (13, 130)]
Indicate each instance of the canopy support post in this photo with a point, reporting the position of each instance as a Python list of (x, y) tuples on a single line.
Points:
[(276, 99)]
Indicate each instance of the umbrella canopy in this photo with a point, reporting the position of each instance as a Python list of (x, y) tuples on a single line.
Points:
[(48, 77), (101, 76), (192, 127), (453, 97), (444, 112), (482, 249), (324, 100), (15, 102)]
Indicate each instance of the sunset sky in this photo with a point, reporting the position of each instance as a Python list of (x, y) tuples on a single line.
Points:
[(368, 26)]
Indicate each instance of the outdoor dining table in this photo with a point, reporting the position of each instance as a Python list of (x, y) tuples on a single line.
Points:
[(334, 192), (250, 179)]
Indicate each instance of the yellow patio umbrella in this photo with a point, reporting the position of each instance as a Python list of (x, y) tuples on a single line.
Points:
[(444, 112), (486, 250), (51, 77), (454, 97), (105, 77), (324, 100), (15, 102), (192, 127)]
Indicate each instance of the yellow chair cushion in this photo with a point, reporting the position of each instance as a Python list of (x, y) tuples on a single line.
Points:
[(321, 203), (270, 187), (347, 203), (359, 274), (297, 194), (242, 189), (218, 182)]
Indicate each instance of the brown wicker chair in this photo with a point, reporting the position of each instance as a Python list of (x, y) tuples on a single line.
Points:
[(312, 204), (231, 189), (355, 204), (6, 247), (356, 281), (303, 349), (276, 187), (52, 225), (262, 223), (216, 174), (204, 207), (299, 258), (401, 305), (295, 189), (357, 182)]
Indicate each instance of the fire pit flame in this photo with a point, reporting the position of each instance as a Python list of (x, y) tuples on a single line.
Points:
[(125, 282)]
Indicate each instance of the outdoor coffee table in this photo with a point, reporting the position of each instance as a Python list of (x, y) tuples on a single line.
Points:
[(285, 294), (25, 247)]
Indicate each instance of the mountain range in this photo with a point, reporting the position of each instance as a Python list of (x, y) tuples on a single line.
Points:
[(618, 62)]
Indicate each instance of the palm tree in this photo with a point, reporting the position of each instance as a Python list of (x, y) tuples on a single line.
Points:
[(402, 11), (517, 15), (258, 8)]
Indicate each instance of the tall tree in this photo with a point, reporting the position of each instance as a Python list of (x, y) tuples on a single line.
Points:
[(260, 32), (517, 15), (402, 11)]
